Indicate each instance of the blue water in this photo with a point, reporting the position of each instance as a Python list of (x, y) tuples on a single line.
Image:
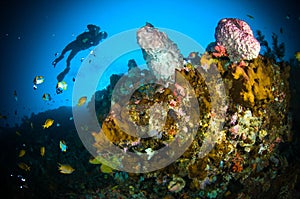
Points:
[(30, 38)]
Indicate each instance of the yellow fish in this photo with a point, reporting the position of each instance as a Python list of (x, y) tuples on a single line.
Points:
[(24, 166), (42, 151), (22, 153), (297, 55), (60, 87), (94, 161), (106, 169), (65, 168), (48, 123), (81, 101), (37, 80)]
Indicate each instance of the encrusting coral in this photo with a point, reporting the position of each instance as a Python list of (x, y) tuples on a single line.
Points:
[(256, 81)]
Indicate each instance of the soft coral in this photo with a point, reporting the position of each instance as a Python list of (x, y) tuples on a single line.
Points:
[(220, 51)]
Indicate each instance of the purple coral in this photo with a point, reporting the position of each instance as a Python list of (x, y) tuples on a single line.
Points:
[(237, 37)]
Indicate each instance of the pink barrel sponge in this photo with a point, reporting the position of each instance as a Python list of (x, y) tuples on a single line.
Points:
[(237, 38)]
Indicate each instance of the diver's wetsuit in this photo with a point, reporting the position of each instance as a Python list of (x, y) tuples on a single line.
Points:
[(82, 42)]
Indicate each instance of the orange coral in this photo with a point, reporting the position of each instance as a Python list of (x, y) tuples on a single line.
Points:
[(237, 163), (237, 167), (220, 51)]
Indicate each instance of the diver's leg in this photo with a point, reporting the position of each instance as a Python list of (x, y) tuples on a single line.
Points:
[(57, 60), (60, 77), (70, 46), (72, 54)]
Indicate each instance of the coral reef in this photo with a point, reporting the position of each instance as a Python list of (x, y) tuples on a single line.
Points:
[(256, 80), (247, 150), (237, 38), (248, 146)]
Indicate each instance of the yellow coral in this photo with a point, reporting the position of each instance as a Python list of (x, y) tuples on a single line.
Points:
[(239, 72), (111, 129), (206, 60), (257, 81), (248, 96)]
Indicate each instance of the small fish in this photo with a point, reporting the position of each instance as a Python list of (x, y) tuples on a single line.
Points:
[(81, 101), (48, 123), (46, 97), (250, 16), (58, 124), (287, 17), (82, 59), (65, 168), (106, 169), (37, 80), (297, 56), (281, 30), (31, 125), (60, 87), (18, 133), (22, 153), (62, 145), (73, 79), (70, 118), (24, 166), (42, 151), (15, 95), (94, 161), (55, 54), (3, 117)]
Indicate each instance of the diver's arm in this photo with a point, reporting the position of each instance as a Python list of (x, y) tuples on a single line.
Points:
[(92, 28), (97, 39)]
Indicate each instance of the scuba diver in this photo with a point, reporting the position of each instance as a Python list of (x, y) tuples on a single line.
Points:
[(83, 41)]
